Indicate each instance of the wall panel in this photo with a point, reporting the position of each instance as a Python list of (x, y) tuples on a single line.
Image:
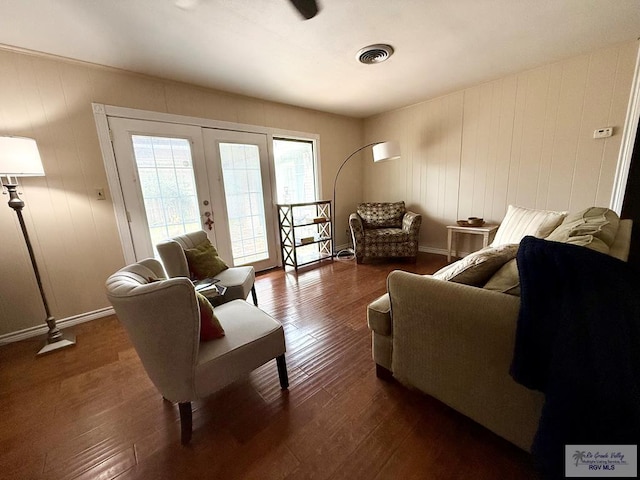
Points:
[(526, 139), (74, 235)]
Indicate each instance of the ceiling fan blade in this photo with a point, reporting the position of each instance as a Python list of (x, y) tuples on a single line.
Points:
[(307, 8)]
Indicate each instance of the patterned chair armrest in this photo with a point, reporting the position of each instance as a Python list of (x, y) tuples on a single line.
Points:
[(411, 223), (357, 232)]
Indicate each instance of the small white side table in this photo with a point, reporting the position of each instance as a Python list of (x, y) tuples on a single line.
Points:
[(486, 231)]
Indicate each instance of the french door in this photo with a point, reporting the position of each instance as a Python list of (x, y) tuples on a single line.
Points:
[(241, 162), (178, 178)]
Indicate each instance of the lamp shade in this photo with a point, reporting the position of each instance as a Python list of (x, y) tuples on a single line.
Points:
[(386, 151), (19, 157)]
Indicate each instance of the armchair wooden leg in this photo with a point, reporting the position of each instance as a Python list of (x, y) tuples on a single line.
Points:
[(282, 372), (185, 422), (254, 295)]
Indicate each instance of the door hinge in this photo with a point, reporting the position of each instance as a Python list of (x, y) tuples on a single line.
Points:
[(128, 216), (111, 135)]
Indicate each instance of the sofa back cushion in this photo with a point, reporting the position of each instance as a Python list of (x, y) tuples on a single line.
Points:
[(594, 228), (520, 222), (506, 280), (381, 215), (475, 269)]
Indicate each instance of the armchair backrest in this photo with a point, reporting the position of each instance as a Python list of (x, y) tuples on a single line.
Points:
[(381, 215), (162, 319), (171, 252)]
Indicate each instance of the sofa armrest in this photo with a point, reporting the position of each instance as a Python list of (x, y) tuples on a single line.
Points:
[(357, 232), (411, 223), (455, 342), (438, 318)]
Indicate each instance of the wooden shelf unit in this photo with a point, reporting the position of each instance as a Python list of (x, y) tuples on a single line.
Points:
[(305, 233)]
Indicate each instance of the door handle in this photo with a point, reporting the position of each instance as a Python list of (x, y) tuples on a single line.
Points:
[(208, 222)]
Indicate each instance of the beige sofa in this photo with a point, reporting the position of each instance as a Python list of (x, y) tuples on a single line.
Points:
[(455, 341)]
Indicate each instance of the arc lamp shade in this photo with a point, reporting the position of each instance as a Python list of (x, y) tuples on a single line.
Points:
[(386, 151), (19, 157)]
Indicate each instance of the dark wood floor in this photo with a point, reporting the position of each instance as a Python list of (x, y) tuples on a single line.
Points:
[(90, 412)]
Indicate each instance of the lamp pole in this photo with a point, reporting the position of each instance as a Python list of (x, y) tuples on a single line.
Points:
[(335, 182), (55, 339), (19, 157)]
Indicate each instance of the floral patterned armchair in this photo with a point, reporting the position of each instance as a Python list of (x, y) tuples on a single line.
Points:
[(384, 230)]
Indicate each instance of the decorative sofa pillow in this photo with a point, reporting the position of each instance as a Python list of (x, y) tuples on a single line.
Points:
[(475, 269), (594, 228), (520, 222), (210, 328), (381, 215), (203, 261)]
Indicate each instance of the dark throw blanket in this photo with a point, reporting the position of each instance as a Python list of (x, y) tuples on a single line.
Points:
[(578, 342)]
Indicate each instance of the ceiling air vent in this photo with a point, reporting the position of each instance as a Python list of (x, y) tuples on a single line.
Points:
[(374, 53)]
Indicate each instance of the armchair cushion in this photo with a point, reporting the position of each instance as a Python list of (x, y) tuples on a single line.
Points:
[(210, 328), (203, 261), (386, 235), (381, 215)]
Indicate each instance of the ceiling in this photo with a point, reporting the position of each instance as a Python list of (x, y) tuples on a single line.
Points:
[(263, 48)]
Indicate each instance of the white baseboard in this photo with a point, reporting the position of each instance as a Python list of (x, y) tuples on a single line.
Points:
[(441, 251), (63, 323), (437, 251)]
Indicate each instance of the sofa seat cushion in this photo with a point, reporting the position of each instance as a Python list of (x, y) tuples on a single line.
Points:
[(520, 222), (380, 215), (379, 315), (477, 268), (386, 235)]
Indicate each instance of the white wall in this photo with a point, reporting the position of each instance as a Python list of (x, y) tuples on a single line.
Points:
[(525, 139), (74, 235)]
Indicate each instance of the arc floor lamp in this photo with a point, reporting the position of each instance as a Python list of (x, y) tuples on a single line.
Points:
[(19, 157), (381, 151)]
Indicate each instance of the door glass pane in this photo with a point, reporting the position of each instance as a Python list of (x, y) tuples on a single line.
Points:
[(167, 182), (245, 202)]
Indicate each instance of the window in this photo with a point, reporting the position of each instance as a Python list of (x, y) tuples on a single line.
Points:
[(295, 171)]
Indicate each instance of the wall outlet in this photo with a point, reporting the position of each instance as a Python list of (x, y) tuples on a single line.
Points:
[(603, 132)]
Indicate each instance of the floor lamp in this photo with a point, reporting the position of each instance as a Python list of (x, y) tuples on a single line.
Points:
[(381, 151), (19, 157)]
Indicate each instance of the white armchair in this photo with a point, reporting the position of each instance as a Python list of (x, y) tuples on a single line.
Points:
[(162, 319), (238, 280)]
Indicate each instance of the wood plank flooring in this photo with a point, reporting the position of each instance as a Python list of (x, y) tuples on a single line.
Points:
[(90, 412)]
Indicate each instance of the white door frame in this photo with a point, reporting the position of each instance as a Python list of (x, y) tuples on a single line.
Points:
[(123, 129), (628, 141), (100, 114)]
